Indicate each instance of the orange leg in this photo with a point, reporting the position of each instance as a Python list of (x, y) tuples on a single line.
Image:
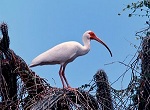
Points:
[(61, 76), (64, 77)]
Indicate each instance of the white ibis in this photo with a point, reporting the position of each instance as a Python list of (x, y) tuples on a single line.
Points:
[(65, 53)]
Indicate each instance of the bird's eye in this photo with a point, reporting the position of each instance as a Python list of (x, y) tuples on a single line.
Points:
[(91, 33)]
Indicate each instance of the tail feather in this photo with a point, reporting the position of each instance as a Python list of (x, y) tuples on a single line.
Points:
[(32, 65)]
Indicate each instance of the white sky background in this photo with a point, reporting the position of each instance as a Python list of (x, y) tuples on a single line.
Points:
[(37, 25)]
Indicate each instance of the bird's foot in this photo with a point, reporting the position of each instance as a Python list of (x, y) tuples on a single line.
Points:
[(70, 88)]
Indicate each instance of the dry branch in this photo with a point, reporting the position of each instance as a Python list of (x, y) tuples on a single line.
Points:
[(21, 88)]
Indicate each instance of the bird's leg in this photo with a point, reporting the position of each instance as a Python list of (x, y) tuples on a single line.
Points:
[(65, 79), (61, 76), (68, 86)]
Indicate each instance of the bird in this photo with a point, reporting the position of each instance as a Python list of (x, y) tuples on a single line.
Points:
[(65, 53)]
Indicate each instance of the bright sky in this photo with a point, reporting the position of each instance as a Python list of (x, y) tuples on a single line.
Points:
[(37, 25)]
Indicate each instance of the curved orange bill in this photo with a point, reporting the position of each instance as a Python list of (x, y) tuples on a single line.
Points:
[(100, 41)]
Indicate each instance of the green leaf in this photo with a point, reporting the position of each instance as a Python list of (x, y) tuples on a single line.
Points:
[(128, 6), (129, 15)]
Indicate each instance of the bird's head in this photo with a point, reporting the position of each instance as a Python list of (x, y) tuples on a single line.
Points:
[(92, 36)]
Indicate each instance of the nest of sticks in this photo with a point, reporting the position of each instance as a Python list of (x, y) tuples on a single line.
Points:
[(22, 88)]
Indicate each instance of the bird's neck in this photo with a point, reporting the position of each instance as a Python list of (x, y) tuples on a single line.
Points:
[(86, 46)]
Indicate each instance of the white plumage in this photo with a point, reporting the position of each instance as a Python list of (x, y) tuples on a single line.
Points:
[(59, 54), (66, 52)]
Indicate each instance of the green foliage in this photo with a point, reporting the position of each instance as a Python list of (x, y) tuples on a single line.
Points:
[(140, 8)]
